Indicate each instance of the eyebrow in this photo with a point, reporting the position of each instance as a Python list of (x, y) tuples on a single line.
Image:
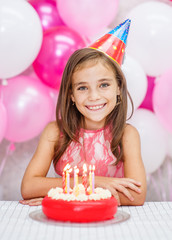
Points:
[(100, 80)]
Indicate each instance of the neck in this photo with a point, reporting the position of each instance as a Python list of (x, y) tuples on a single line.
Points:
[(92, 126)]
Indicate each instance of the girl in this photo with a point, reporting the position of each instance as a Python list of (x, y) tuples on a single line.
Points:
[(90, 128)]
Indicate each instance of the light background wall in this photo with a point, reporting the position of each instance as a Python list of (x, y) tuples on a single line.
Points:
[(159, 183)]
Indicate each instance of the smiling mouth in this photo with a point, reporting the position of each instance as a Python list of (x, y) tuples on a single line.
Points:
[(96, 107)]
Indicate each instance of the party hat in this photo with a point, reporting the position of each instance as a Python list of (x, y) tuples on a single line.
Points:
[(113, 43)]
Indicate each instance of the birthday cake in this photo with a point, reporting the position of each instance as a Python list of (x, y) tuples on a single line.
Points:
[(80, 207)]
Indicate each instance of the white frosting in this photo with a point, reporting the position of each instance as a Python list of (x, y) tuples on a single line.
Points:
[(99, 193)]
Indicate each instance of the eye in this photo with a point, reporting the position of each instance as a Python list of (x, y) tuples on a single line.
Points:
[(82, 88), (104, 85)]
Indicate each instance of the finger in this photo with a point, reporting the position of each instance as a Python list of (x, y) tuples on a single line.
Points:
[(128, 180), (30, 201), (35, 199), (115, 195), (133, 181), (124, 190), (24, 202), (36, 203), (131, 186), (134, 188), (130, 183)]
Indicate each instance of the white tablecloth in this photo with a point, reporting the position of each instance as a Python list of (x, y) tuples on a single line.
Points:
[(151, 221)]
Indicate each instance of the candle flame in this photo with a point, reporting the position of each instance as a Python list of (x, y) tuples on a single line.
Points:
[(67, 167), (85, 167), (76, 170)]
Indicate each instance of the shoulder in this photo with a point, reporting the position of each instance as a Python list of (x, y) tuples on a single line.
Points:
[(51, 131), (131, 139), (131, 143), (130, 133)]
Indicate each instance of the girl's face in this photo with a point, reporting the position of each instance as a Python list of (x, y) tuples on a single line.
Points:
[(94, 91)]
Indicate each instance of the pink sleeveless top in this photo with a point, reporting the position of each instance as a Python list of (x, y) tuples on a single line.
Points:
[(93, 148)]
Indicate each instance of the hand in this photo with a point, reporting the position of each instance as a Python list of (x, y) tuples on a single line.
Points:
[(32, 202), (115, 185)]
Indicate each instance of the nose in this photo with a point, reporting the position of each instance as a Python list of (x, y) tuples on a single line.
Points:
[(93, 95)]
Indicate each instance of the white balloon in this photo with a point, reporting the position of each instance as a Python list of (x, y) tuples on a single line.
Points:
[(153, 139), (150, 36), (136, 81), (20, 37)]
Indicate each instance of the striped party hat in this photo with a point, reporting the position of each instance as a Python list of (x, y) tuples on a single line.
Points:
[(114, 42)]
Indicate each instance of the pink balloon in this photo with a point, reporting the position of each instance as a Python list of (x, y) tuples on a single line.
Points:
[(3, 120), (53, 93), (29, 108), (162, 99), (147, 102), (48, 13), (87, 17), (58, 44), (54, 96)]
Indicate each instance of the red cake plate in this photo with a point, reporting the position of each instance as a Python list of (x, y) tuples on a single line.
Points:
[(80, 212)]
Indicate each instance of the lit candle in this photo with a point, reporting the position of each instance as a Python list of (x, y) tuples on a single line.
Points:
[(63, 181), (68, 179), (77, 189), (66, 168), (93, 178), (77, 171), (90, 179), (84, 177), (74, 183)]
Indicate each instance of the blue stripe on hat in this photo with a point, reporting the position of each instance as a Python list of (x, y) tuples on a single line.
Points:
[(121, 31)]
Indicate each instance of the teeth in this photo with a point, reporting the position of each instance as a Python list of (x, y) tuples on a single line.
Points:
[(96, 107)]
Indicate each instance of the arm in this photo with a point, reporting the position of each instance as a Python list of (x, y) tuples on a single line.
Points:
[(133, 166), (35, 183), (130, 190)]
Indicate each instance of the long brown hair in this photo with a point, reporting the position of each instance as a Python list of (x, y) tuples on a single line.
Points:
[(68, 117)]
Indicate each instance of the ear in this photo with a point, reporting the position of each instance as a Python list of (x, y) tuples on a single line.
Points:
[(118, 91), (72, 97)]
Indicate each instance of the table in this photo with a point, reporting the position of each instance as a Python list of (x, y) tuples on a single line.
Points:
[(151, 221)]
